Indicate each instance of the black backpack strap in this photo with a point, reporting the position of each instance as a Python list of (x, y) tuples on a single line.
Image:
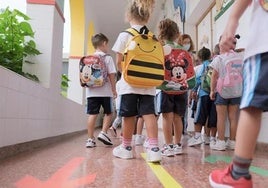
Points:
[(144, 30)]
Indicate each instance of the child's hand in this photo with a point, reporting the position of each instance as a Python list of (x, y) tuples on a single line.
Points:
[(212, 95), (114, 94), (228, 40)]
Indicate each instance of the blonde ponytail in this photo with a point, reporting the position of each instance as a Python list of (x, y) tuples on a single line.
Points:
[(140, 10)]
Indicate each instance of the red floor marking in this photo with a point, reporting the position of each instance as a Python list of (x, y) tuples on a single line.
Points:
[(59, 179)]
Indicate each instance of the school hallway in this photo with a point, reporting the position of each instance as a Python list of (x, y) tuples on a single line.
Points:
[(69, 164)]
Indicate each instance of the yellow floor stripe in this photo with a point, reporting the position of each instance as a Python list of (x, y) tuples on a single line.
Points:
[(164, 177)]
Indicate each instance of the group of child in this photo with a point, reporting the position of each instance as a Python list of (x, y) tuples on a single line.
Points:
[(212, 109)]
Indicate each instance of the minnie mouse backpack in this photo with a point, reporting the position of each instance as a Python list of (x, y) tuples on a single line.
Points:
[(179, 74)]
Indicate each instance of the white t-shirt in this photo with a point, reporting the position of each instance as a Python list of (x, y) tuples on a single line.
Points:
[(119, 47), (118, 87), (106, 89), (258, 39)]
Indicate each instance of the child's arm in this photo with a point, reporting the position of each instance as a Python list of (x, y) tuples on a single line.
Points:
[(119, 59), (112, 81), (228, 37), (213, 83)]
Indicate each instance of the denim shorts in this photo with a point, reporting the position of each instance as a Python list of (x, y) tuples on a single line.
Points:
[(232, 101)]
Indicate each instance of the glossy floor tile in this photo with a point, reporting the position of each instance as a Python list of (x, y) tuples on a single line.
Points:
[(69, 164)]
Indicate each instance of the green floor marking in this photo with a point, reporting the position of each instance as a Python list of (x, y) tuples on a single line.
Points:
[(164, 177), (214, 158)]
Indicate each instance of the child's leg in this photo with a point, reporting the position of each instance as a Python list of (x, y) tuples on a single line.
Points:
[(247, 132), (221, 119), (117, 122), (233, 119), (129, 127), (167, 126), (140, 123), (178, 126), (91, 124), (107, 119), (151, 129), (139, 138)]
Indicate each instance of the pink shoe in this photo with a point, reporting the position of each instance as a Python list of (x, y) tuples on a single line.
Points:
[(224, 179)]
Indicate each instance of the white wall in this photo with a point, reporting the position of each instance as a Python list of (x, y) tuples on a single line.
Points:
[(242, 29), (30, 111)]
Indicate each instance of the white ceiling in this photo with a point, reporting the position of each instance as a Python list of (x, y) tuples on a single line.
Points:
[(109, 16)]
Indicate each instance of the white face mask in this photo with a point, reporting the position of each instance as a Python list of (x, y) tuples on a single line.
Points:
[(186, 46)]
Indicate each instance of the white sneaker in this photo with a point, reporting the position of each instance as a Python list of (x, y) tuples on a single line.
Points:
[(139, 139), (153, 155), (212, 142), (184, 139), (220, 145), (230, 144), (177, 149), (206, 140), (103, 137), (167, 150), (90, 143), (146, 144), (113, 131), (195, 141), (123, 152)]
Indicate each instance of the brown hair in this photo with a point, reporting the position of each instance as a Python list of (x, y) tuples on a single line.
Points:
[(168, 30), (140, 10), (186, 36), (204, 54), (98, 39)]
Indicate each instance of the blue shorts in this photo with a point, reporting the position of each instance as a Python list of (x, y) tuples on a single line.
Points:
[(94, 104), (172, 103), (136, 104), (255, 86), (206, 112), (221, 101)]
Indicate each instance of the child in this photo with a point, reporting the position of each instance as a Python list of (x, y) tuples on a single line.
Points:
[(134, 100), (139, 138), (206, 110), (118, 120), (101, 96), (226, 107), (187, 43), (254, 98), (172, 107)]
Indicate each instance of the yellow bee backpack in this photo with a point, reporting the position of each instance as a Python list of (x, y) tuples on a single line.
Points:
[(143, 62)]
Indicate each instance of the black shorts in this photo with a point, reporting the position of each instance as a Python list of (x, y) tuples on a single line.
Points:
[(94, 104), (206, 111), (136, 104), (172, 103)]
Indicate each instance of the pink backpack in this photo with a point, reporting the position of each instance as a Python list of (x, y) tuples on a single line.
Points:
[(230, 81)]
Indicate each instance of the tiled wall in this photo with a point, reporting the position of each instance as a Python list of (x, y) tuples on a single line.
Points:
[(29, 111)]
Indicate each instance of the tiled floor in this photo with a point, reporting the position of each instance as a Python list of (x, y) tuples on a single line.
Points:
[(68, 164)]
